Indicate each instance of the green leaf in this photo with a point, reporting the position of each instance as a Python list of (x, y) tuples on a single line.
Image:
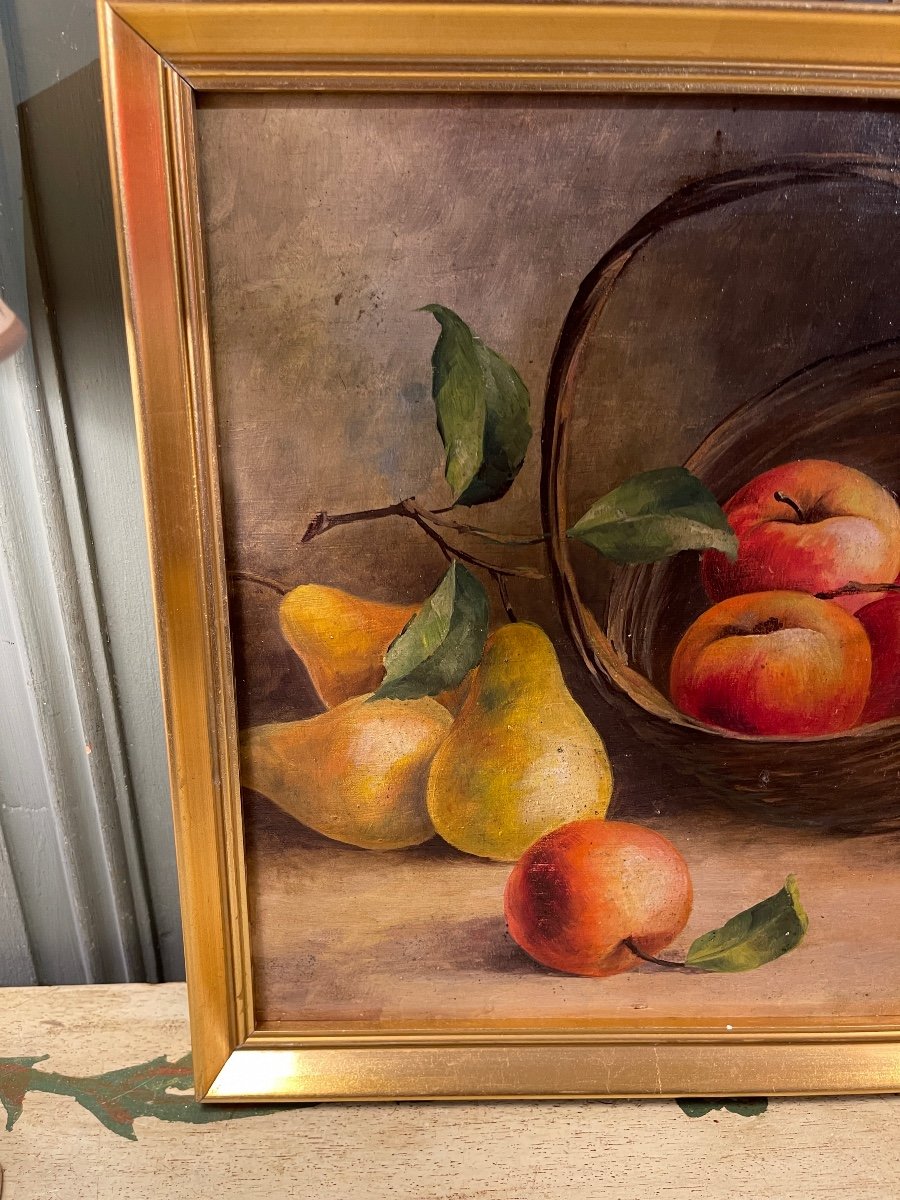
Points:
[(118, 1098), (699, 1108), (15, 1080), (752, 1107), (654, 515), (442, 643), (754, 937), (482, 412)]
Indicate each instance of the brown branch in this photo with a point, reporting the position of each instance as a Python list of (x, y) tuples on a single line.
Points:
[(487, 535), (323, 521), (858, 589), (262, 581), (504, 596)]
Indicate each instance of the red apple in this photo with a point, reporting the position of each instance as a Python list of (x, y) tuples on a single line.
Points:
[(773, 663), (881, 621), (578, 893), (808, 526)]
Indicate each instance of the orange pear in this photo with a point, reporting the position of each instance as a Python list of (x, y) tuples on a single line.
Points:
[(342, 639), (356, 773)]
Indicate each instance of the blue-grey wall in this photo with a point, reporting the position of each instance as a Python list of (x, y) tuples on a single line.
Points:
[(88, 887)]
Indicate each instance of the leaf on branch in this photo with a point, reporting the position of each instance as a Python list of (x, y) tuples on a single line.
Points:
[(482, 412), (442, 643), (754, 937), (654, 515)]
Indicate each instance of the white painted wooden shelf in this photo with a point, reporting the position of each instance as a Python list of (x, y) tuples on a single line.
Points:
[(648, 1150)]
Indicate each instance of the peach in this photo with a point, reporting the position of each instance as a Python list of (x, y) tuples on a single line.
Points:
[(580, 892), (808, 526), (773, 663), (881, 621)]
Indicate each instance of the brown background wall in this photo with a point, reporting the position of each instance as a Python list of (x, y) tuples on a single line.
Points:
[(331, 220)]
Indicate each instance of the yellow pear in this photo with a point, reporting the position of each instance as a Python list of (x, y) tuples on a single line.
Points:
[(356, 773), (521, 758), (341, 639)]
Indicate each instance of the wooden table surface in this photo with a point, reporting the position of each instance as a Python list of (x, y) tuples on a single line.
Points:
[(427, 933), (647, 1150)]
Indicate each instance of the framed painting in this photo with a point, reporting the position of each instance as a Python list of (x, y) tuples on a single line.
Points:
[(518, 389)]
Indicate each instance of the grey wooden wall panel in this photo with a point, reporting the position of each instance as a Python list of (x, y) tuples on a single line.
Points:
[(89, 645), (49, 822), (16, 962), (31, 863), (86, 792), (64, 140), (37, 873), (48, 40), (17, 965), (89, 872)]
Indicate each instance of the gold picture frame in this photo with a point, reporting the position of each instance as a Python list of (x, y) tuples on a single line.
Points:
[(157, 55)]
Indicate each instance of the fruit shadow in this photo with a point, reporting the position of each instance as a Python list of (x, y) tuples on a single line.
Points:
[(268, 829), (473, 945)]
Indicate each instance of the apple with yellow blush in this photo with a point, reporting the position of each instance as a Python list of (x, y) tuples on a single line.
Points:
[(584, 897), (808, 526), (773, 664)]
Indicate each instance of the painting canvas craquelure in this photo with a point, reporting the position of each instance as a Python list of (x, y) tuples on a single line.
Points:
[(559, 448)]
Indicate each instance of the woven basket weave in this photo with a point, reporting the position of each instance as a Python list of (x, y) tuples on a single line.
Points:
[(846, 408)]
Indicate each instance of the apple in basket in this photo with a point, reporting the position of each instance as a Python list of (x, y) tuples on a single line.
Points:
[(774, 663), (808, 526), (881, 621)]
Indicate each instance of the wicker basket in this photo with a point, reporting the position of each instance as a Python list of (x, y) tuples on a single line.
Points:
[(848, 782)]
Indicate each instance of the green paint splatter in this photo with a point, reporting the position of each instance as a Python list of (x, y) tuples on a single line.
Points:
[(753, 1106), (118, 1098)]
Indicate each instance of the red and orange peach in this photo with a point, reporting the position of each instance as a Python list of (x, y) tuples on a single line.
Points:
[(773, 663), (579, 893)]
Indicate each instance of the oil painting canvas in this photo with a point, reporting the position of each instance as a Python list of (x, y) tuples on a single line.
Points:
[(559, 444)]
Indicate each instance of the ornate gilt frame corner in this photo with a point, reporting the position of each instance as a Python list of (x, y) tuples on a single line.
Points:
[(157, 54)]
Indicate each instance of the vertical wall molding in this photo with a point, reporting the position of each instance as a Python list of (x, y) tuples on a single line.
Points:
[(82, 358), (75, 861), (17, 964)]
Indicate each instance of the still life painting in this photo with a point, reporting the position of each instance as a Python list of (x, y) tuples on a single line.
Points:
[(559, 443)]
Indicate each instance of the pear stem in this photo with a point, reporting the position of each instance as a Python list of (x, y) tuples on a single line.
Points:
[(858, 589), (635, 949), (504, 596), (323, 521), (274, 585)]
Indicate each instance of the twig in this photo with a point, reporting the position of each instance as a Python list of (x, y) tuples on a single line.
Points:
[(858, 589), (323, 521), (504, 596), (262, 580), (487, 535)]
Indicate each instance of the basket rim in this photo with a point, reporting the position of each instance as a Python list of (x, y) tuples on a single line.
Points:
[(595, 651), (665, 710)]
